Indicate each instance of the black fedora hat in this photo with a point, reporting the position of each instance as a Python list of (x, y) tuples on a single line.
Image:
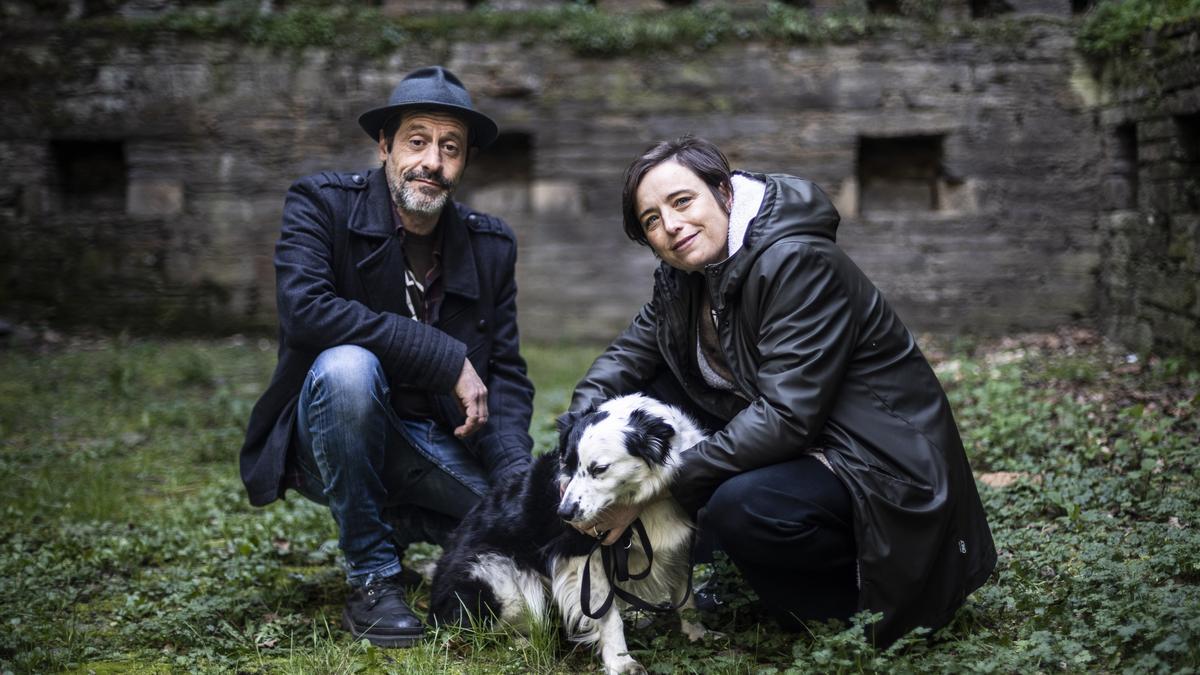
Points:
[(433, 88)]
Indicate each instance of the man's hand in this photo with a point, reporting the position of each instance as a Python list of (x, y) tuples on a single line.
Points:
[(472, 399), (612, 522)]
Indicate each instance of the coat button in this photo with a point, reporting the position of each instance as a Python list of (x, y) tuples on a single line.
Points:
[(482, 325), (357, 179)]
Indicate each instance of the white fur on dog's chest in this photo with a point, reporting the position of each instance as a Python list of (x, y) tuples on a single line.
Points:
[(667, 525)]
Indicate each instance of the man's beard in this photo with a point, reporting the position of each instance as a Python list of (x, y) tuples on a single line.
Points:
[(410, 197)]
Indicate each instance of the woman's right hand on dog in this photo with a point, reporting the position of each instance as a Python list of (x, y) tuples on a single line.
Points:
[(613, 522)]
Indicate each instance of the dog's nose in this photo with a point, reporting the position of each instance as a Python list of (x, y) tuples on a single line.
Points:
[(568, 510)]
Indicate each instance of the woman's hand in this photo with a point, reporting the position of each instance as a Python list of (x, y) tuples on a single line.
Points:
[(614, 520)]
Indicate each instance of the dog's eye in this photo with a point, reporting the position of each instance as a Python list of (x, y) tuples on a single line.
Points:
[(597, 470)]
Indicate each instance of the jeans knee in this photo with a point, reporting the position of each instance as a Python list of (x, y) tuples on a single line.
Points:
[(348, 380)]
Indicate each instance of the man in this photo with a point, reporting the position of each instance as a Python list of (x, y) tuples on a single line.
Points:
[(400, 392)]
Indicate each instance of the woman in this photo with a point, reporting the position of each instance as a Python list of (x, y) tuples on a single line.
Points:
[(835, 478)]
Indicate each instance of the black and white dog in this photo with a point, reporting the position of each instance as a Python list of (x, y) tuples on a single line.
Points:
[(518, 543)]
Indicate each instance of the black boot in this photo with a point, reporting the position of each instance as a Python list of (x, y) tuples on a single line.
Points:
[(377, 612), (707, 596)]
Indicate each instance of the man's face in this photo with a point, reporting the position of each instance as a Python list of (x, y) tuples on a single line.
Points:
[(428, 155)]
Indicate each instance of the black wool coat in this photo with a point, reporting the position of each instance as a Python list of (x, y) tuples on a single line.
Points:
[(339, 273), (820, 361)]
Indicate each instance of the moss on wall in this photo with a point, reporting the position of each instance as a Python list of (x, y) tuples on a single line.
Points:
[(1117, 29), (1123, 39), (581, 28)]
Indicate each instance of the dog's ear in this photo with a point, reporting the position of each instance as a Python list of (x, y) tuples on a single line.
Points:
[(569, 419), (649, 437), (568, 422)]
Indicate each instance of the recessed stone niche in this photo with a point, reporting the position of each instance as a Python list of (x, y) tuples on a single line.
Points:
[(90, 175), (1121, 183), (498, 178), (1187, 130), (899, 174)]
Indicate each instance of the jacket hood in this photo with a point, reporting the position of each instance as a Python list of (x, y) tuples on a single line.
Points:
[(790, 207)]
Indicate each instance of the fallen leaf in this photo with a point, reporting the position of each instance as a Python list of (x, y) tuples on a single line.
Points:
[(1001, 479)]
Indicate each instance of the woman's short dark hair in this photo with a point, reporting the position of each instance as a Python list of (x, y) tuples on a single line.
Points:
[(702, 157)]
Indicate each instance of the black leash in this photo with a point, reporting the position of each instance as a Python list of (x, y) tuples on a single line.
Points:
[(615, 560)]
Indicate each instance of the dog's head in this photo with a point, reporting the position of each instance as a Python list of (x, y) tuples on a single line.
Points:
[(616, 453)]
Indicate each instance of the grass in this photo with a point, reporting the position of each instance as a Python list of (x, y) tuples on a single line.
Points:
[(127, 545)]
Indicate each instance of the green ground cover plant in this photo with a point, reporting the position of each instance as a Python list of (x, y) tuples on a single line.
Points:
[(126, 544)]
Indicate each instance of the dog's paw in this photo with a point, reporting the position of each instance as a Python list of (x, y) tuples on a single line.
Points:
[(695, 631), (624, 665)]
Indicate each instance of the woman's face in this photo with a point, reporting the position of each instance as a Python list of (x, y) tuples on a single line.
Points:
[(683, 222)]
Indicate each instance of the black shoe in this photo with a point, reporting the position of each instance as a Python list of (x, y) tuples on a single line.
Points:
[(706, 596), (378, 613)]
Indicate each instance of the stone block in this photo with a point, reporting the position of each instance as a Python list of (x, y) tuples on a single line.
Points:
[(1183, 195), (861, 88), (1167, 291), (556, 198), (822, 7), (846, 200), (521, 5), (1042, 7), (1121, 223), (1172, 332), (504, 199), (1153, 196), (1186, 101), (959, 197), (1115, 116), (954, 10), (1157, 128), (1117, 193), (1178, 75), (1185, 229), (1157, 150), (403, 7), (154, 198), (1169, 170), (630, 5)]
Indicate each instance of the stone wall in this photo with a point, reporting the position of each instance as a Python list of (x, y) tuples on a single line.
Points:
[(1150, 297), (144, 183)]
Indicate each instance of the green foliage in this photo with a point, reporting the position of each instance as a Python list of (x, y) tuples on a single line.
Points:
[(126, 543), (849, 21), (362, 29), (1118, 29)]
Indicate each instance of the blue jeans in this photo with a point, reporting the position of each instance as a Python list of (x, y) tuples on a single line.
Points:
[(387, 481)]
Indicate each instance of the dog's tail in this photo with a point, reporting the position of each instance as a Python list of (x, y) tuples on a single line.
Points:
[(470, 603), (491, 587)]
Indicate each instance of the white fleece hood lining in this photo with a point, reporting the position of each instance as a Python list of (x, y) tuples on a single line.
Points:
[(748, 196)]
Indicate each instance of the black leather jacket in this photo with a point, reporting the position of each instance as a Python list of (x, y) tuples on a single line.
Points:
[(820, 361), (339, 273)]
